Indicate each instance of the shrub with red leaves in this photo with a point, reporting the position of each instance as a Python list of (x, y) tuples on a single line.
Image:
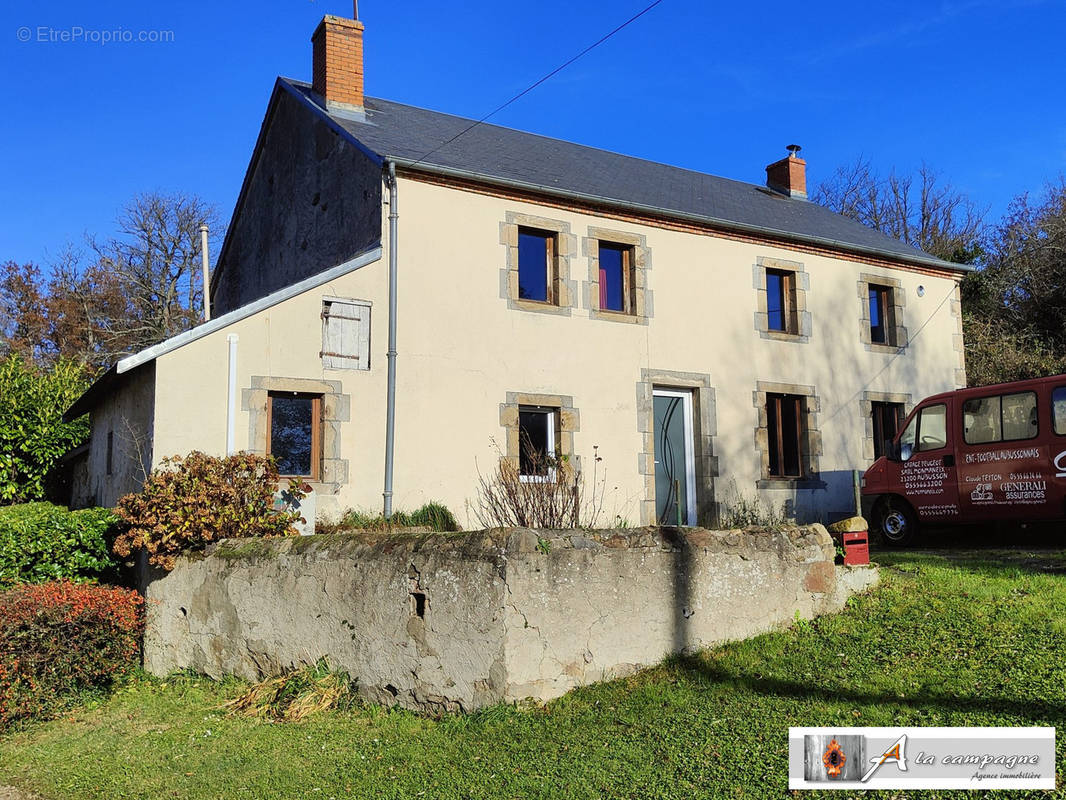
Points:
[(57, 639)]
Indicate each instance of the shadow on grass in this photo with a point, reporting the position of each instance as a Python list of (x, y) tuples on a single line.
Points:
[(1033, 710)]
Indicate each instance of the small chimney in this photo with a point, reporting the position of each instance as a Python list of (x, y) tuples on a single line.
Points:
[(789, 175), (337, 63)]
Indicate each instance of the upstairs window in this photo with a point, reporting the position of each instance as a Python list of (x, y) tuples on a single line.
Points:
[(616, 277), (784, 422), (536, 441), (781, 300), (345, 334), (536, 260), (882, 326), (295, 423), (887, 417)]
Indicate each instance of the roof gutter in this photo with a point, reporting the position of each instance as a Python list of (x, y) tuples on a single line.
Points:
[(758, 230)]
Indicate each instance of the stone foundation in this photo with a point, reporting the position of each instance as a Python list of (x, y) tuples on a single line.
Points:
[(460, 621)]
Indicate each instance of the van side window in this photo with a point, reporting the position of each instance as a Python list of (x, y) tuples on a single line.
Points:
[(1058, 409), (1019, 416), (933, 428), (1002, 418), (980, 420)]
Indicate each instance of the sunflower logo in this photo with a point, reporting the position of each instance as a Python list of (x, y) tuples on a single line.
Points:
[(833, 758)]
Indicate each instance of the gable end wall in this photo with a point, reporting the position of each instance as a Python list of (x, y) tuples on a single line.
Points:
[(311, 200)]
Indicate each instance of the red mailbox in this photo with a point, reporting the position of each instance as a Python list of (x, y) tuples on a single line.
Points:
[(856, 548)]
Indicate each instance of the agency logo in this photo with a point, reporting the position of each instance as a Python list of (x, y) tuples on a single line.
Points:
[(921, 758), (1060, 464)]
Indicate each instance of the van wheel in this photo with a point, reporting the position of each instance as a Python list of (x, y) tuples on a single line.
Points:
[(896, 522)]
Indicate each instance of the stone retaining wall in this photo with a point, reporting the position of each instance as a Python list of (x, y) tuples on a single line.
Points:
[(459, 621)]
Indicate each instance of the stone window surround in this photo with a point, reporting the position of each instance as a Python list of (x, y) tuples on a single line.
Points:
[(336, 410), (899, 300), (564, 289), (866, 404), (810, 441), (705, 429), (640, 258), (568, 423), (801, 285)]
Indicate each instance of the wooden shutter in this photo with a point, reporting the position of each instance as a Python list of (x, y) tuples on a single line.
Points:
[(345, 334)]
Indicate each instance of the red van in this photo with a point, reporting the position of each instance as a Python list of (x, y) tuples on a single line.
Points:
[(995, 453)]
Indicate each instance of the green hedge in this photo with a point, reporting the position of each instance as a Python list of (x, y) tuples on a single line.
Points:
[(43, 542)]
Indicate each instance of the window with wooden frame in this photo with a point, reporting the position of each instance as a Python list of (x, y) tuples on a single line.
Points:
[(345, 334), (887, 418), (882, 324), (536, 265), (616, 277), (294, 420), (537, 437), (781, 301), (785, 429)]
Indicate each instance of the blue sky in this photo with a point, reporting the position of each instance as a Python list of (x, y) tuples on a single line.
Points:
[(974, 89)]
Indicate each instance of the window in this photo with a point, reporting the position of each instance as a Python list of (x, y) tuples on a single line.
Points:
[(536, 273), (928, 428), (882, 326), (1002, 418), (295, 423), (781, 300), (887, 418), (110, 451), (536, 441), (616, 277), (345, 334), (784, 420), (1058, 409)]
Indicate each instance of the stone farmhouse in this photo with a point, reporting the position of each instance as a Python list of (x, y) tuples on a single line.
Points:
[(404, 297)]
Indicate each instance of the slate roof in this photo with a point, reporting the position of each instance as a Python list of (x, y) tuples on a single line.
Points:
[(501, 155)]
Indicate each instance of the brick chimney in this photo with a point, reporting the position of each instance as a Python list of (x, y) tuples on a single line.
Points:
[(789, 175), (337, 63)]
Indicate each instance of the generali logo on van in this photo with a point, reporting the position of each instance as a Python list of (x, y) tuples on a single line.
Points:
[(1060, 465)]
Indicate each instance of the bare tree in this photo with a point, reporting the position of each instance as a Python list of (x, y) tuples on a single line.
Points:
[(156, 261), (918, 209), (126, 293)]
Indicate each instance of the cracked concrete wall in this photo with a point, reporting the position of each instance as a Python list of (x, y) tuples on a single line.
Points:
[(454, 622)]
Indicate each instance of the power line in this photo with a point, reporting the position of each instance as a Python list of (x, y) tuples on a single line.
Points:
[(533, 86)]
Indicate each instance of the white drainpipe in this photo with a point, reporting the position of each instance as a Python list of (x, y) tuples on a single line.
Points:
[(231, 406)]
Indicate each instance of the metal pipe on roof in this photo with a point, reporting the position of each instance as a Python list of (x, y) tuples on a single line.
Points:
[(206, 264), (390, 400)]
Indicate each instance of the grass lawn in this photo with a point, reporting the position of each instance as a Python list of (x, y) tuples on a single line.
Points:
[(947, 640)]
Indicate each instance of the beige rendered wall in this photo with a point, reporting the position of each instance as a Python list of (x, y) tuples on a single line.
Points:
[(463, 348)]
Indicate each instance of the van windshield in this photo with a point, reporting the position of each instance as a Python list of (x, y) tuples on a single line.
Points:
[(933, 432)]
